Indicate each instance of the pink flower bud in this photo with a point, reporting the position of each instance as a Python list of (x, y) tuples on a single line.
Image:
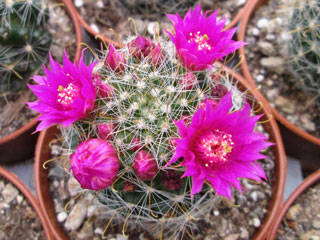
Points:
[(136, 144), (188, 80), (140, 47), (129, 186), (115, 60), (104, 90), (145, 165), (212, 102), (219, 90), (157, 55), (171, 180), (94, 164), (105, 131)]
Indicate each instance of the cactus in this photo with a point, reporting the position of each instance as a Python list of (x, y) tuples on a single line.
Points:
[(303, 46), (24, 43)]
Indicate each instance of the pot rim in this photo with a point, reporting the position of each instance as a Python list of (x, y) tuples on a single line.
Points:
[(310, 180), (12, 178), (95, 34), (42, 154), (33, 122), (254, 4)]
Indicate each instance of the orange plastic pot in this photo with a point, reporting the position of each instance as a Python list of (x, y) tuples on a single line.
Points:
[(308, 182), (30, 197), (43, 153), (90, 30), (250, 10), (23, 139)]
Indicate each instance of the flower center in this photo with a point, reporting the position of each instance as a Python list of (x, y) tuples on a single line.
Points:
[(213, 148), (201, 40), (66, 96)]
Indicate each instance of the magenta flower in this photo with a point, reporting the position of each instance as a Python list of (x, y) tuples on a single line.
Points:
[(115, 60), (94, 164), (145, 165), (220, 147), (140, 47), (200, 39), (65, 95)]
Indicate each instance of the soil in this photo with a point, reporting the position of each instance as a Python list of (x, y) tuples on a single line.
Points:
[(18, 220), (265, 54), (240, 220), (302, 221), (105, 14), (13, 111)]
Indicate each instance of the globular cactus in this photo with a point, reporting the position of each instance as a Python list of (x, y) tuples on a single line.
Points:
[(24, 42), (304, 42)]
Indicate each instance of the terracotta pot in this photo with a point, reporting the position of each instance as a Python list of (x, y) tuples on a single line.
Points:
[(30, 197), (309, 181), (254, 4), (43, 153), (23, 139), (233, 23)]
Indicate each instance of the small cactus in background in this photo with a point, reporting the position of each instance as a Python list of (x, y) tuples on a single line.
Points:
[(171, 146), (24, 43), (304, 44)]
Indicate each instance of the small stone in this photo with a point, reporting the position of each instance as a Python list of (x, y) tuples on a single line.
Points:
[(77, 215), (55, 183), (95, 27), (62, 216), (307, 122), (256, 222), (240, 3), (244, 234), (316, 223), (1, 185), (152, 28), (100, 4), (92, 210), (271, 37), (266, 48), (86, 231), (216, 213), (262, 23), (73, 187), (293, 212), (260, 78), (19, 199), (9, 193), (286, 105), (314, 237), (98, 231), (121, 237), (232, 237), (272, 62), (141, 26), (255, 31), (254, 196), (78, 3)]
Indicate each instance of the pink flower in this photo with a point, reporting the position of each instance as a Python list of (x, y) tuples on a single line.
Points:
[(94, 164), (105, 131), (188, 81), (171, 180), (157, 55), (145, 165), (65, 95), (140, 47), (115, 60), (220, 147), (203, 103), (200, 39)]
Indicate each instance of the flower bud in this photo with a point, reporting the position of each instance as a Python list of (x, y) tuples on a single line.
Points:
[(94, 164), (157, 55), (105, 130), (188, 80), (136, 144), (140, 47), (171, 180), (104, 90), (219, 90), (145, 165), (115, 60), (129, 186)]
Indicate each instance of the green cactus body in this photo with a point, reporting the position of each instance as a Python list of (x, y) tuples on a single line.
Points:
[(24, 43), (145, 102), (304, 44)]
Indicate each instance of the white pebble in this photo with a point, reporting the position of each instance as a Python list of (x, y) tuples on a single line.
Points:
[(152, 28), (19, 199), (98, 231), (262, 23), (61, 217), (95, 28), (100, 4), (78, 3), (255, 32), (260, 78), (256, 222), (216, 213)]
